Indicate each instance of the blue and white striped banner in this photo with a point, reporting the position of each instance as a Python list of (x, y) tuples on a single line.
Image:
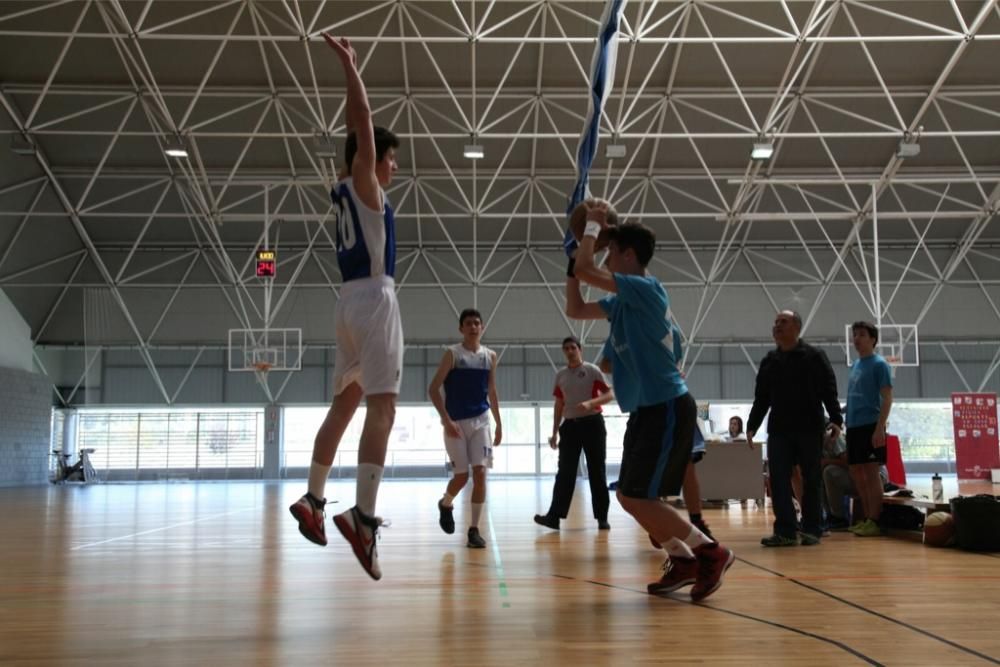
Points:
[(602, 77)]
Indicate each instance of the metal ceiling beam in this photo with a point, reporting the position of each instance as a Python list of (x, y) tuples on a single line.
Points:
[(461, 201), (95, 255)]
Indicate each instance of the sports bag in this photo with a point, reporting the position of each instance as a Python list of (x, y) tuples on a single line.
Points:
[(977, 522)]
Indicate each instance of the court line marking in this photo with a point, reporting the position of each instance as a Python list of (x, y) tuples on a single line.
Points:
[(499, 563), (162, 528), (858, 654), (877, 614)]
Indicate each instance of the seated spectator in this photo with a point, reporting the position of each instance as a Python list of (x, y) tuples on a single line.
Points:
[(735, 429)]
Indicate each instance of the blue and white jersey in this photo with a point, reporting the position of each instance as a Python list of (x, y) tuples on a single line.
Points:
[(366, 239), (466, 387)]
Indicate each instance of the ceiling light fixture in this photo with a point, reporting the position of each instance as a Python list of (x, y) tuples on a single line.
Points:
[(323, 145), (174, 147), (615, 150), (762, 150), (907, 149), (21, 144), (473, 151)]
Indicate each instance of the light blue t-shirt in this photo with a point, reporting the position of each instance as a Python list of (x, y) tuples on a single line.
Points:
[(643, 365), (864, 398)]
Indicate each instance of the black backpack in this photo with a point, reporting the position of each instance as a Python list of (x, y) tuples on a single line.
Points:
[(977, 522)]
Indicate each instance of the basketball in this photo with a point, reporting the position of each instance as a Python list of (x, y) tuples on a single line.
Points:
[(578, 221), (939, 530)]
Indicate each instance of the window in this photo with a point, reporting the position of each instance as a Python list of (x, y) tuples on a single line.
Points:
[(925, 430), (148, 444), (416, 440)]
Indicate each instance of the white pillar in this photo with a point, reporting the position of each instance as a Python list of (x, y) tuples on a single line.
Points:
[(71, 419)]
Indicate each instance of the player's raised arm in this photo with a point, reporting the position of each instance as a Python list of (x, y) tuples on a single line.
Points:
[(359, 120)]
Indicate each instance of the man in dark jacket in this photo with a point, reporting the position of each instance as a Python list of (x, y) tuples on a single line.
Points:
[(795, 382)]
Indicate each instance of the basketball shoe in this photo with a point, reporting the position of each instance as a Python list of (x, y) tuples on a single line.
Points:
[(361, 532), (447, 518), (713, 561), (304, 510), (677, 573)]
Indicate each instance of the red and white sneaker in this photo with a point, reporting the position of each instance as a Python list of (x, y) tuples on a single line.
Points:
[(362, 532), (677, 573), (304, 510), (713, 561)]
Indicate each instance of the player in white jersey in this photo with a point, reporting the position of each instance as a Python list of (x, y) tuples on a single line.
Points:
[(369, 334), (467, 373)]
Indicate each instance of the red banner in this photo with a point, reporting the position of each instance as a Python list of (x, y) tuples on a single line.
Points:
[(977, 449)]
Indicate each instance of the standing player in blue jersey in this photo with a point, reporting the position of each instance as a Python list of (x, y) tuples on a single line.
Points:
[(467, 373), (869, 400), (663, 416), (369, 334)]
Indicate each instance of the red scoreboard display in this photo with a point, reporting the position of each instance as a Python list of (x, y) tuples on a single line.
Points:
[(267, 261)]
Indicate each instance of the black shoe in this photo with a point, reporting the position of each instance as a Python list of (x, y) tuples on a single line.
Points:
[(547, 520), (779, 541), (703, 527), (447, 518), (603, 525), (476, 540)]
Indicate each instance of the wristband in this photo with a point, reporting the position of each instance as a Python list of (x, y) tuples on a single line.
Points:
[(570, 267), (592, 229)]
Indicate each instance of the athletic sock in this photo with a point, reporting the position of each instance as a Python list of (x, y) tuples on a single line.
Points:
[(677, 549), (369, 477), (447, 500), (697, 538), (317, 479), (477, 511)]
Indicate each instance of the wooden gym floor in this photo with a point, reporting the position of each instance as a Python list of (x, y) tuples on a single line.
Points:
[(217, 574)]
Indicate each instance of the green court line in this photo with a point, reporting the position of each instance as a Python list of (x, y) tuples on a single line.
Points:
[(498, 562)]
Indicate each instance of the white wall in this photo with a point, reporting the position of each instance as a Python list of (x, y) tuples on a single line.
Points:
[(15, 337)]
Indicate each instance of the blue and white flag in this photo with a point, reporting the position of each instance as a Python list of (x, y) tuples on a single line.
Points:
[(602, 77)]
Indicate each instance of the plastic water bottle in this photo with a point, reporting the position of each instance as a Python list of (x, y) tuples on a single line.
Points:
[(937, 488)]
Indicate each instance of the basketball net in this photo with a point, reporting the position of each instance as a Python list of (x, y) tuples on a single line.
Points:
[(260, 370), (893, 360)]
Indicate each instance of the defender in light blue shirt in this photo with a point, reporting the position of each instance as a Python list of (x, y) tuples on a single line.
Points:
[(369, 331)]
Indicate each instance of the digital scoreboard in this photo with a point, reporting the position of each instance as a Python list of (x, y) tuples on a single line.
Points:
[(267, 261)]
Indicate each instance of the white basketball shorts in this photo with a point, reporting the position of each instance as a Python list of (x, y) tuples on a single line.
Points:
[(369, 337)]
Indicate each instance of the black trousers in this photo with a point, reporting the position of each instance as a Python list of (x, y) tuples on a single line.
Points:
[(587, 435), (784, 452)]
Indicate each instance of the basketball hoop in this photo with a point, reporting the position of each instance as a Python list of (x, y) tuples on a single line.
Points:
[(899, 345), (263, 350)]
